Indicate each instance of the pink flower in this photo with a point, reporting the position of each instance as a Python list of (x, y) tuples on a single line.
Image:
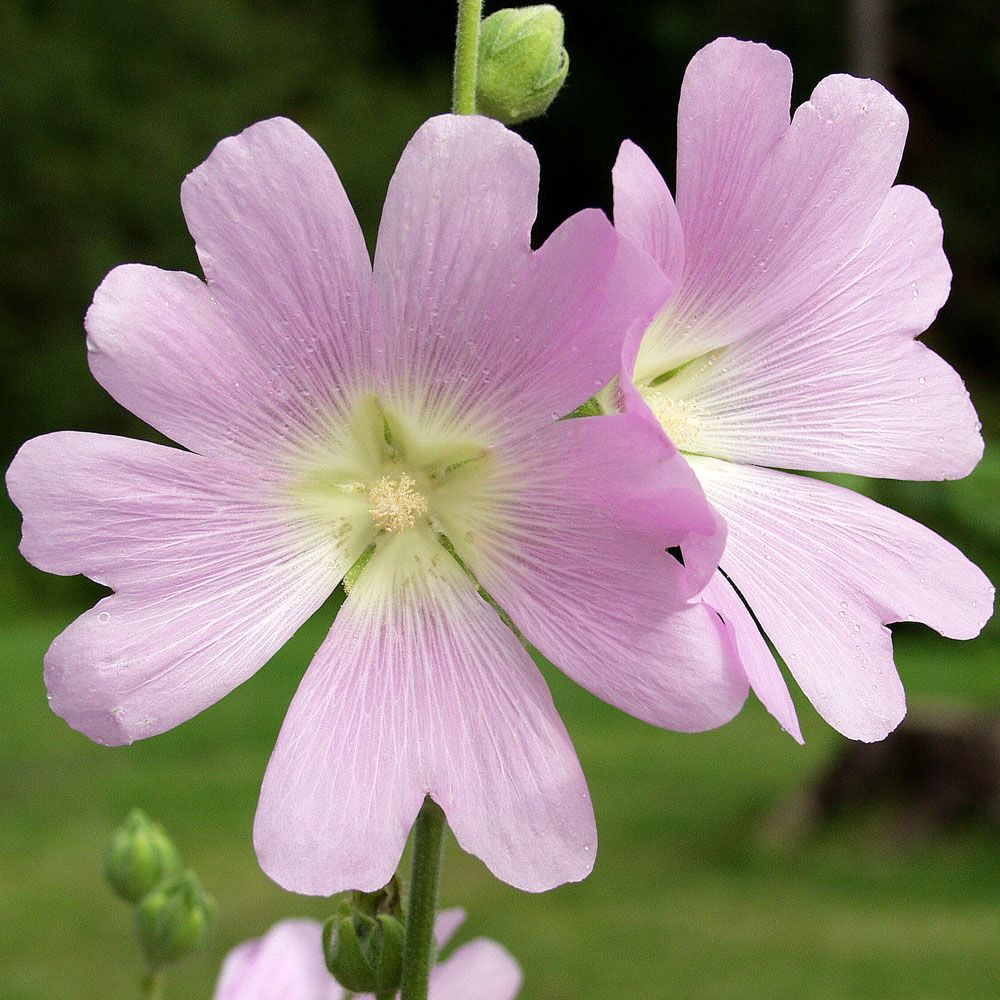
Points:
[(406, 416), (287, 964), (803, 276)]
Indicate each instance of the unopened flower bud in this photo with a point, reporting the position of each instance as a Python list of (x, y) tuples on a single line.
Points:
[(173, 919), (522, 63), (139, 857), (365, 954)]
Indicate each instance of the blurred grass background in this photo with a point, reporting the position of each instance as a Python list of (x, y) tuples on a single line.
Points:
[(106, 106)]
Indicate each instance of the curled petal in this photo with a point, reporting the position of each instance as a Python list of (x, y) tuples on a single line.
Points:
[(645, 212), (824, 571), (568, 532)]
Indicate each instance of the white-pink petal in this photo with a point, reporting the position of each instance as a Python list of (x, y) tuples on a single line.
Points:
[(645, 212), (756, 659), (838, 384), (479, 335), (770, 216), (824, 571), (479, 970), (160, 344), (285, 260), (285, 964), (571, 541), (213, 572), (421, 689)]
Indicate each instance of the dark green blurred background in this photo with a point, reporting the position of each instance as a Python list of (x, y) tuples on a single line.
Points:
[(105, 107)]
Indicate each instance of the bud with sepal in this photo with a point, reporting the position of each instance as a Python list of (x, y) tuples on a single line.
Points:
[(522, 63), (364, 953), (174, 919), (139, 857)]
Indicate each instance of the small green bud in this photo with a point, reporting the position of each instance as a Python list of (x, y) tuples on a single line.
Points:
[(365, 954), (173, 919), (522, 63), (139, 857)]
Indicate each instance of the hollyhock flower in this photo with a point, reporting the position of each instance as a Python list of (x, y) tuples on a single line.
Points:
[(401, 421), (287, 964), (803, 276)]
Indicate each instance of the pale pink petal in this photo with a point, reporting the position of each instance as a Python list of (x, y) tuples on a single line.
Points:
[(838, 384), (420, 689), (285, 259), (765, 228), (645, 212), (213, 569), (733, 109), (446, 923), (759, 664), (285, 964), (159, 343), (475, 326), (823, 570), (567, 531), (479, 970)]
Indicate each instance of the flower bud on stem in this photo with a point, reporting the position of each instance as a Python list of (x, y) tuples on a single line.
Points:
[(522, 63), (139, 857), (173, 920)]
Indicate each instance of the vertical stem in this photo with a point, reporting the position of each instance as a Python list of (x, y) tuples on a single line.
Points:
[(463, 100), (418, 956), (151, 987)]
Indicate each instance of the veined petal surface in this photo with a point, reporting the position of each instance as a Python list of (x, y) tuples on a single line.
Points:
[(825, 570), (286, 262), (838, 384), (421, 689), (163, 348), (475, 325), (765, 227), (570, 540), (645, 212), (213, 574)]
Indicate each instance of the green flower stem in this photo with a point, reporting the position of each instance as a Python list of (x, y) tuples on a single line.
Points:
[(463, 100), (151, 987), (418, 958)]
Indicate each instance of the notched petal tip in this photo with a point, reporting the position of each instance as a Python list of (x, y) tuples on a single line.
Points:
[(841, 99)]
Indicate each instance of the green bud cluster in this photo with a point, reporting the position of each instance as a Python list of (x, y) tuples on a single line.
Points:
[(173, 913), (522, 63)]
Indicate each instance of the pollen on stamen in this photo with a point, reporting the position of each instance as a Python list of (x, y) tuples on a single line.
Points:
[(678, 417), (395, 503)]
